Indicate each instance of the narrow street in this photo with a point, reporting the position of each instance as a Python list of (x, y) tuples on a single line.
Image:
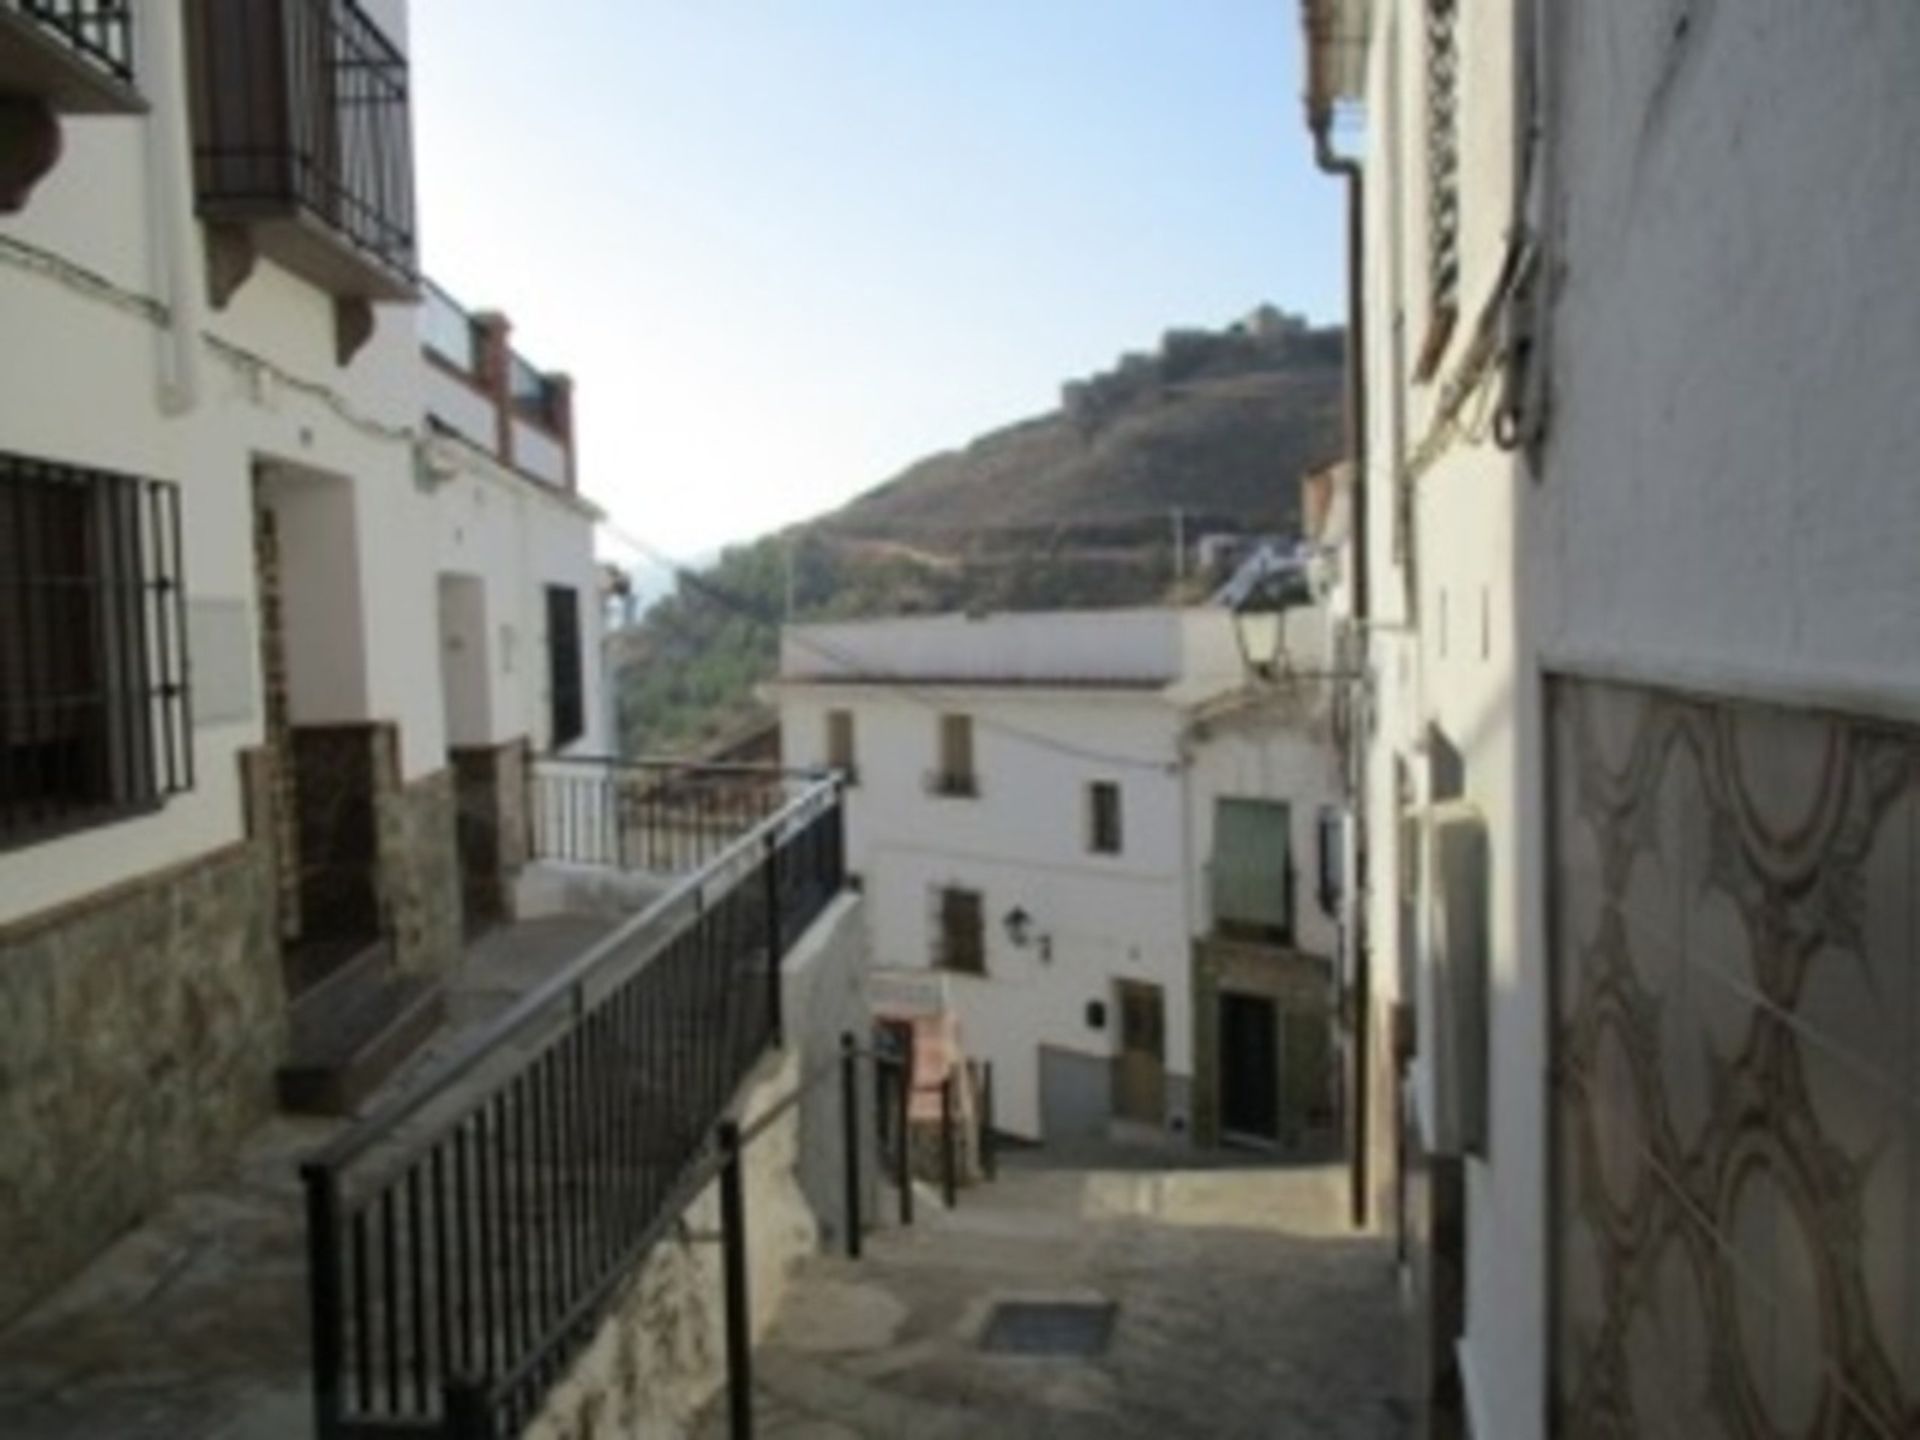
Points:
[(1242, 1306)]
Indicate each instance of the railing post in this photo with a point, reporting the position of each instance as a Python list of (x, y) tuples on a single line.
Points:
[(469, 1410), (323, 1298), (904, 1160), (733, 1247), (770, 863), (949, 1160), (989, 1146), (850, 1137)]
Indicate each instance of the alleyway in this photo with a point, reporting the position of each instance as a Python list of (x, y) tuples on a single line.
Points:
[(1243, 1307)]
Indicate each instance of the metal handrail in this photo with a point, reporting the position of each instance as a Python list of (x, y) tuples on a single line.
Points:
[(568, 982)]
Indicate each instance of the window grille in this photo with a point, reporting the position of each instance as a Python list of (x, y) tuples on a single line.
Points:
[(1443, 179), (95, 720)]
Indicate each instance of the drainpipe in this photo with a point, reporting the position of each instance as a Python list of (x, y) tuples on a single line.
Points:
[(160, 61), (1320, 122)]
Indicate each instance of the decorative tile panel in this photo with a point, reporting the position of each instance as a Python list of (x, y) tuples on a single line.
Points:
[(1736, 1213)]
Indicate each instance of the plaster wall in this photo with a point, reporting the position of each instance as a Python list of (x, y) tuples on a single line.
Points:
[(1455, 683), (515, 536)]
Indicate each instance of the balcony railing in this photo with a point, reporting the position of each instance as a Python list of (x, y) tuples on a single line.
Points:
[(447, 331), (464, 1241), (77, 53), (659, 817), (302, 131)]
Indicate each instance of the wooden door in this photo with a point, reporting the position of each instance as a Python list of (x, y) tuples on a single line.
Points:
[(1141, 1089)]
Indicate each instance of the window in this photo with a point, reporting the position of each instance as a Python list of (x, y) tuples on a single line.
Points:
[(955, 775), (840, 743), (1103, 817), (1332, 859), (564, 674), (94, 717), (960, 940), (1443, 181), (1253, 871)]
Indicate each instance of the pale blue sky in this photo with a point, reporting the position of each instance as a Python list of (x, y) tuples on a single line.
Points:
[(788, 246)]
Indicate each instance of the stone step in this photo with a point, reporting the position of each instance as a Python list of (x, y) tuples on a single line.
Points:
[(355, 1030)]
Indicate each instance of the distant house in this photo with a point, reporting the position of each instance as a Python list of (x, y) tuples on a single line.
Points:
[(1111, 848)]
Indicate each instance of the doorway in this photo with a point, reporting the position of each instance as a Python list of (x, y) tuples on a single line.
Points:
[(1249, 1069), (1140, 1091)]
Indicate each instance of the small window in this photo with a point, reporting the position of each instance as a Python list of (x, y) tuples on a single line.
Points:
[(840, 743), (1103, 817), (1332, 859), (1443, 181), (94, 714), (960, 941), (565, 679), (955, 775)]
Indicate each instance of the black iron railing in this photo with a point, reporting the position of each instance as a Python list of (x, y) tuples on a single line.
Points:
[(301, 106), (649, 816), (464, 1240), (99, 31)]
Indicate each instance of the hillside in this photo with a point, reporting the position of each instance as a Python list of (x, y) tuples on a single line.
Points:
[(1218, 423)]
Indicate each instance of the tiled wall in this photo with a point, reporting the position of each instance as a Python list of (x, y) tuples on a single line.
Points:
[(1736, 1125)]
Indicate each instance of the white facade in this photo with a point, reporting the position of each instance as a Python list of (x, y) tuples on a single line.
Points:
[(114, 358), (1712, 506), (1154, 702)]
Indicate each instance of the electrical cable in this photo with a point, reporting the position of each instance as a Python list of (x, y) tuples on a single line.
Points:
[(881, 677)]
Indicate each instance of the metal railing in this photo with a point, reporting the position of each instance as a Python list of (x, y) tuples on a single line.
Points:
[(465, 1238), (99, 31), (304, 104), (660, 817)]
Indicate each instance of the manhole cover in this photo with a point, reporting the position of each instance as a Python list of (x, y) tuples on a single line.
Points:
[(1027, 1327)]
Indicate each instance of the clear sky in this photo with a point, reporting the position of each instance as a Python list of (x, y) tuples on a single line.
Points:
[(786, 247)]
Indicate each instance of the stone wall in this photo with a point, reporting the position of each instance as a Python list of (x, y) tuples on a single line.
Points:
[(1300, 985), (139, 1032), (490, 785), (420, 868)]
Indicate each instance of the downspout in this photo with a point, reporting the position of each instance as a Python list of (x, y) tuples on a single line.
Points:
[(1320, 122), (161, 65)]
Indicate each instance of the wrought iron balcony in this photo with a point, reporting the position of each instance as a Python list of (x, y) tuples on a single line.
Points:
[(302, 145), (76, 55)]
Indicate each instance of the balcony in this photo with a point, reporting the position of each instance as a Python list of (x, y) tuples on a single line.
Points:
[(483, 390), (74, 55), (302, 148)]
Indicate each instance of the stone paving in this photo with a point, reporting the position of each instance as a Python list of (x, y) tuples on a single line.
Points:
[(1246, 1308), (194, 1324)]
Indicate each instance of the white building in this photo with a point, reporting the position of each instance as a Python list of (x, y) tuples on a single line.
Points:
[(1631, 552), (280, 596), (1106, 835)]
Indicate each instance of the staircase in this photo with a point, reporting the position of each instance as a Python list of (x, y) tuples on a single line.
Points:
[(354, 1029)]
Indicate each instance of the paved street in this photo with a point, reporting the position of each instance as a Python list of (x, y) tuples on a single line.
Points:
[(1245, 1308)]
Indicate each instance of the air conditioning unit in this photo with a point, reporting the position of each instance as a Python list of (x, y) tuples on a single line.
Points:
[(1455, 1035)]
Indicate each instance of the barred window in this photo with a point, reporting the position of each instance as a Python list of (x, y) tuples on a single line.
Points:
[(94, 715), (1443, 180), (565, 676), (960, 940)]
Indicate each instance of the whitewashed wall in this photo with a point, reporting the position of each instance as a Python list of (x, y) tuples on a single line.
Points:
[(1022, 843), (517, 536), (1451, 650), (81, 380)]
